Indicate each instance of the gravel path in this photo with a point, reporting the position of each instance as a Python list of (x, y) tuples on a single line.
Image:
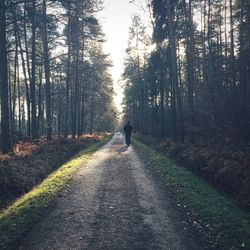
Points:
[(114, 202)]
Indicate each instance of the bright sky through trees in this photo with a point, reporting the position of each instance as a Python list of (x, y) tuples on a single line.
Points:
[(116, 19)]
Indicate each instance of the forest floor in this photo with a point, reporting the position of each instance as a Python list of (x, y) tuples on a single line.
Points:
[(116, 201), (33, 161), (223, 165)]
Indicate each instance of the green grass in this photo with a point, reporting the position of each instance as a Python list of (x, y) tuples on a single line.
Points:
[(16, 220), (229, 222)]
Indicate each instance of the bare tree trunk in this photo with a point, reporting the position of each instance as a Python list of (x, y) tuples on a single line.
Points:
[(190, 65), (6, 143), (232, 56), (27, 75), (39, 116), (46, 72), (10, 93), (83, 112), (66, 122), (77, 82), (162, 107), (19, 100), (226, 48), (33, 74), (59, 108), (76, 77), (81, 85), (24, 68), (174, 69), (92, 106), (13, 125)]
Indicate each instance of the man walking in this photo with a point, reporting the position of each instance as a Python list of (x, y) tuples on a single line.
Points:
[(128, 131)]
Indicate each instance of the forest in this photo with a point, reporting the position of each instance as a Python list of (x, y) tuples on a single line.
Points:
[(187, 84), (186, 80), (68, 173), (189, 80), (54, 74)]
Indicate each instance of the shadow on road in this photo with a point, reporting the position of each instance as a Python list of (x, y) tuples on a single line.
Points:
[(122, 149)]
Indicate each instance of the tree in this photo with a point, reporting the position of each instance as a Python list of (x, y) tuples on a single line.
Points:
[(198, 73), (5, 118), (33, 73), (46, 72), (49, 91)]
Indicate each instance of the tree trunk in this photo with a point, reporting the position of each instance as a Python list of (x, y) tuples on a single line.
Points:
[(46, 72), (66, 122), (190, 66), (5, 122), (81, 83), (174, 69), (77, 82), (13, 122), (24, 69), (33, 74), (39, 116), (92, 106), (232, 56), (19, 101), (76, 77), (28, 74)]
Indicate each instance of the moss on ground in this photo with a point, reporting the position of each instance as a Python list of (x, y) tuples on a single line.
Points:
[(230, 223), (17, 219)]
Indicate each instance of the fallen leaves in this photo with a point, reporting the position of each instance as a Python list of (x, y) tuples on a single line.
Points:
[(33, 161)]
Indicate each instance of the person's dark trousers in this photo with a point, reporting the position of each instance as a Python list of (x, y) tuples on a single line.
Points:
[(128, 139)]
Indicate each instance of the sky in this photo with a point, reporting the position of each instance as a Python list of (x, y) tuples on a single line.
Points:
[(115, 20)]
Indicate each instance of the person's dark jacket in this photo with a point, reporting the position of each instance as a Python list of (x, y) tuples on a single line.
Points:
[(128, 129)]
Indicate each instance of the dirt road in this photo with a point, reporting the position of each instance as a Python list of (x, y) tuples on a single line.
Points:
[(114, 202)]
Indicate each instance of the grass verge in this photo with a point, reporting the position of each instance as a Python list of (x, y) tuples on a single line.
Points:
[(17, 219), (231, 224)]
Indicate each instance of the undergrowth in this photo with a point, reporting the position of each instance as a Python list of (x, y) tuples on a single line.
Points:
[(231, 224), (17, 219)]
